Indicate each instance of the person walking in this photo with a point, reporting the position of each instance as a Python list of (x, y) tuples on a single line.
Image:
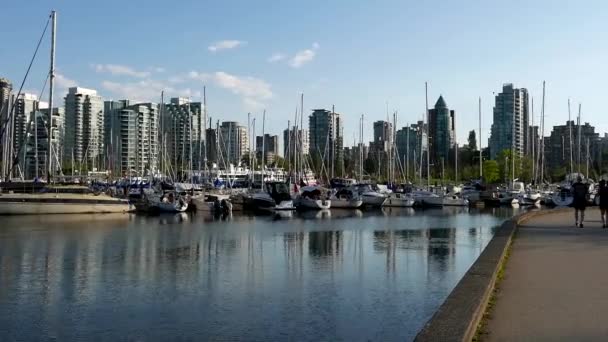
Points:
[(579, 194), (603, 193)]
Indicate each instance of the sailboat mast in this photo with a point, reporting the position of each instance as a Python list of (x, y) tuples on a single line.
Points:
[(570, 139), (263, 145), (480, 154), (49, 159), (428, 157), (407, 153), (542, 143), (301, 127), (579, 139)]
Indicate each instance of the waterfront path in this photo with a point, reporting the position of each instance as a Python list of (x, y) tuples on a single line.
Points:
[(555, 284)]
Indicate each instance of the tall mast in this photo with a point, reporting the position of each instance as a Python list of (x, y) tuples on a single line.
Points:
[(203, 134), (532, 143), (428, 157), (480, 154), (333, 141), (263, 146), (407, 154), (570, 139), (455, 153), (542, 143), (361, 149), (579, 139), (301, 127), (49, 159)]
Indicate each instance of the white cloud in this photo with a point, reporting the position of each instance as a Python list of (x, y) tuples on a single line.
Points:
[(304, 56), (63, 82), (159, 69), (253, 91), (277, 57), (225, 45), (118, 70), (146, 90)]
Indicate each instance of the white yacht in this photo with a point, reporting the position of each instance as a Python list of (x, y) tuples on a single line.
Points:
[(62, 200), (312, 197), (346, 199), (399, 200)]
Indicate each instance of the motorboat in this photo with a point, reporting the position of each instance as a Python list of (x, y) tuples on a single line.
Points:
[(369, 196), (169, 202), (311, 197), (529, 198), (274, 196), (212, 203), (345, 199), (453, 200), (399, 200), (507, 198), (427, 198), (62, 200), (563, 197)]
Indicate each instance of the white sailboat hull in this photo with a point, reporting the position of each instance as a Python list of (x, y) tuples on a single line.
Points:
[(406, 202), (346, 203), (374, 200), (51, 203), (308, 203)]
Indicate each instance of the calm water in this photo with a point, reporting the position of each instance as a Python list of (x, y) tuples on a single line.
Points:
[(375, 275)]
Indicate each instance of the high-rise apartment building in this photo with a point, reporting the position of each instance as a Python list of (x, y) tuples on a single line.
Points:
[(84, 126), (325, 138), (25, 108), (183, 127), (233, 141), (294, 140), (38, 147), (409, 141), (132, 138), (269, 145), (558, 146), (442, 132), (510, 122), (6, 88)]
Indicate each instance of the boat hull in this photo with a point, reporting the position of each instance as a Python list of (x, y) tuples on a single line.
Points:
[(346, 203), (43, 205)]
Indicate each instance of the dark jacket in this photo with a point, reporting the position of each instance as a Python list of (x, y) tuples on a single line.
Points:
[(603, 193), (579, 194)]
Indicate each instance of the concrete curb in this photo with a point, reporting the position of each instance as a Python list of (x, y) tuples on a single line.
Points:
[(458, 317)]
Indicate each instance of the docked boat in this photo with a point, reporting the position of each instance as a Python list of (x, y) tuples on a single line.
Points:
[(507, 198), (399, 200), (563, 198), (311, 197), (274, 196), (529, 198), (61, 200), (345, 199), (212, 203), (369, 196), (453, 200), (155, 201)]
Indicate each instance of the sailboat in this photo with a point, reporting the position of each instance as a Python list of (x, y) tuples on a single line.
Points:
[(58, 200)]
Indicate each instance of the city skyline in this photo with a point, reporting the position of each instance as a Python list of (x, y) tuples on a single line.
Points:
[(244, 71)]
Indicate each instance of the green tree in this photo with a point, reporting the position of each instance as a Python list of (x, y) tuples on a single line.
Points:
[(490, 171)]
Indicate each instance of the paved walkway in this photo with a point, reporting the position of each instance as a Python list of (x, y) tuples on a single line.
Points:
[(556, 282)]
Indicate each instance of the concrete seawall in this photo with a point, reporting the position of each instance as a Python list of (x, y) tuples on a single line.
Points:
[(458, 317)]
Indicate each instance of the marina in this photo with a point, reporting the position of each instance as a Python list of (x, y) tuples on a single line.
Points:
[(375, 274)]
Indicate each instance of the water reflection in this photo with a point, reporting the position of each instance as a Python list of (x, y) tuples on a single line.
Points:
[(199, 277)]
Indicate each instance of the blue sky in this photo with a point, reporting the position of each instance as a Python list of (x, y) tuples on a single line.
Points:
[(355, 55)]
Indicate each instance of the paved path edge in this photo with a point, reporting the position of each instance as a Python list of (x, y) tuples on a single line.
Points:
[(458, 317)]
